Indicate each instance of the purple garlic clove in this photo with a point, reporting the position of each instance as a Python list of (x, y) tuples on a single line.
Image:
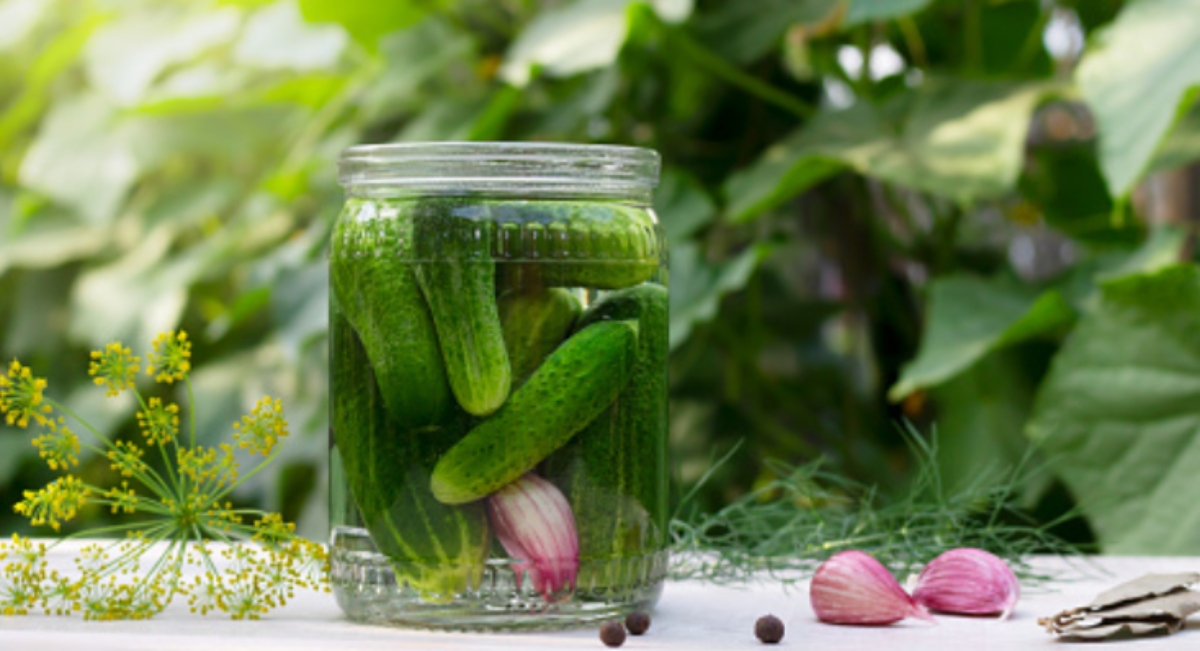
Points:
[(968, 582), (854, 588), (534, 523)]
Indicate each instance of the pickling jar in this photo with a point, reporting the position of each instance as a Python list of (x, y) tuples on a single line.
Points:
[(498, 375)]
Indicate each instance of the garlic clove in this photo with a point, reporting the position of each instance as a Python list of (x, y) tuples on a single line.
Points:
[(968, 581), (533, 521), (854, 588)]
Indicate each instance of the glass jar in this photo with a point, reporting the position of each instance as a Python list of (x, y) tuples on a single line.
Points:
[(498, 349)]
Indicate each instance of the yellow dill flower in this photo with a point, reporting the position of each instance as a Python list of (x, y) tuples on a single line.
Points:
[(21, 396), (203, 465), (115, 367), (123, 498), (126, 458), (58, 502), (272, 530), (171, 357), (159, 423), (263, 428), (58, 445)]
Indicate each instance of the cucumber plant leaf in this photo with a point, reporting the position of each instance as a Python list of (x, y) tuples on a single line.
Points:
[(1118, 415), (963, 140), (1137, 76), (698, 285), (970, 317)]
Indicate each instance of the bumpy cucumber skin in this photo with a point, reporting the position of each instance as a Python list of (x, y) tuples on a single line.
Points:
[(534, 324), (600, 245), (574, 385), (438, 549), (614, 471), (457, 276), (377, 291)]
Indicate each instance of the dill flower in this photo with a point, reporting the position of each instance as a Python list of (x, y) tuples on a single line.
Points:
[(263, 428), (159, 423), (180, 507), (21, 396), (115, 367), (126, 458), (58, 502), (171, 357), (58, 445)]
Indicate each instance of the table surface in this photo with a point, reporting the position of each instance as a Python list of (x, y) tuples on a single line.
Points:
[(691, 615)]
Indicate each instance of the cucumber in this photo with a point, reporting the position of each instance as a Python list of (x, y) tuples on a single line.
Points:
[(600, 245), (438, 549), (534, 324), (614, 471), (457, 277), (374, 285), (574, 385)]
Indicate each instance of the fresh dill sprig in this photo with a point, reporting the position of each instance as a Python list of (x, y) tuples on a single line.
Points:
[(183, 512), (785, 528)]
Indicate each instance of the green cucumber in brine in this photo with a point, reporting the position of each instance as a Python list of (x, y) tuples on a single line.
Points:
[(599, 245), (457, 277), (572, 386), (534, 324), (436, 548), (373, 282), (614, 471)]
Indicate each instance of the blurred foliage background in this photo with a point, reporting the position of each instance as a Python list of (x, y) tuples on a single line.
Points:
[(973, 214)]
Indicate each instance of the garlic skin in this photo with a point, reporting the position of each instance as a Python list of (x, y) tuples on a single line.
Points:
[(533, 521), (968, 581), (854, 588)]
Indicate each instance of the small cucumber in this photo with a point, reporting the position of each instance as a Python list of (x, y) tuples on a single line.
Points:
[(534, 324), (614, 471), (574, 385), (438, 549), (457, 276), (601, 245), (373, 283)]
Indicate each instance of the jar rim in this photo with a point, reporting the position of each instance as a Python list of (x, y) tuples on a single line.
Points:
[(488, 166)]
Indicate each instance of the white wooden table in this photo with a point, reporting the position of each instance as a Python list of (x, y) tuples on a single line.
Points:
[(690, 616)]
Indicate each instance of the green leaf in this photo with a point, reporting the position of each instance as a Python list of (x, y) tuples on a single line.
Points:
[(970, 317), (682, 205), (1137, 76), (963, 140), (276, 36), (1065, 182), (83, 157), (698, 285), (124, 57), (1182, 145), (367, 21), (581, 36), (1119, 413), (745, 31), (981, 417), (863, 11)]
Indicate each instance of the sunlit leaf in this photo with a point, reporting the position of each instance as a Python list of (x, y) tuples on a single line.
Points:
[(276, 36), (1119, 414), (367, 21), (963, 140), (584, 35), (125, 57), (1137, 76)]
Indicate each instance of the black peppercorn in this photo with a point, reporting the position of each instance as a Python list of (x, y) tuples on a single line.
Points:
[(769, 629), (637, 623), (612, 633)]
